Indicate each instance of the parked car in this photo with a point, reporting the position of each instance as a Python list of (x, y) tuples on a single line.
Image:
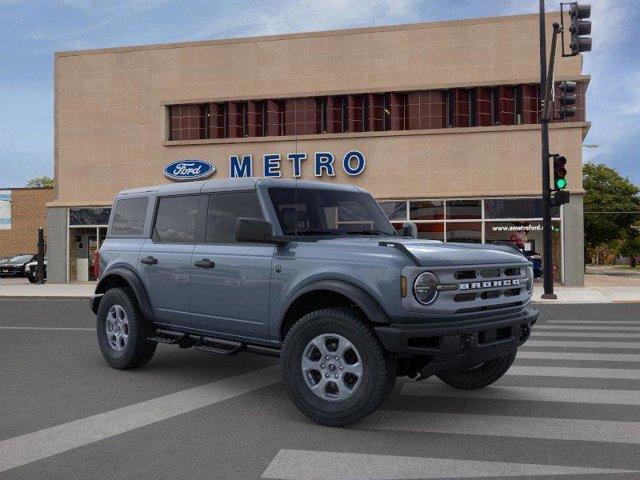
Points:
[(313, 273), (15, 266), (31, 270), (536, 261)]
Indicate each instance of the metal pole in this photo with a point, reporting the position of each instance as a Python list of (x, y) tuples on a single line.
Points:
[(40, 257), (546, 191)]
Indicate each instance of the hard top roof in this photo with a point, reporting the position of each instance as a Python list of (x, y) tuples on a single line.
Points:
[(230, 184)]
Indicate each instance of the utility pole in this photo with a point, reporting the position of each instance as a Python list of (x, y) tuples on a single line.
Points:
[(547, 257)]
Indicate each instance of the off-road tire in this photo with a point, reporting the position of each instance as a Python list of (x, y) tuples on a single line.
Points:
[(139, 350), (379, 369), (479, 377)]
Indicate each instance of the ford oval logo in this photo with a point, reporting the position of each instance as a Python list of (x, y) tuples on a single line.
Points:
[(192, 169)]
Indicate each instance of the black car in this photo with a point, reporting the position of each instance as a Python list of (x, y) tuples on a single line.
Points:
[(536, 259), (15, 266)]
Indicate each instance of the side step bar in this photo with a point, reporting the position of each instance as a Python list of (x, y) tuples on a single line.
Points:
[(210, 344)]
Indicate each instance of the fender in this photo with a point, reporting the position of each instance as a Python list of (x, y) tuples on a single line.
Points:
[(362, 299), (134, 282)]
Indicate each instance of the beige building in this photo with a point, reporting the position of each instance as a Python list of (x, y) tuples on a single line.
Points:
[(438, 120), (22, 212)]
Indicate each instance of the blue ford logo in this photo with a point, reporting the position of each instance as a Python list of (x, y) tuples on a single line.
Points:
[(192, 169)]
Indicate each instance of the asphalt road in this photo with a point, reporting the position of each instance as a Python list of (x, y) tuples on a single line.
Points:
[(569, 408)]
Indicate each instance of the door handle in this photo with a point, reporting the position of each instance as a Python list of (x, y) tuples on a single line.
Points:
[(204, 263), (149, 260)]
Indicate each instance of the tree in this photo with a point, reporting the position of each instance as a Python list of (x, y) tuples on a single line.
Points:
[(631, 246), (40, 182), (611, 205)]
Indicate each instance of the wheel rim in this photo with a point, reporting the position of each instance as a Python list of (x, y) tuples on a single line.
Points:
[(332, 367), (117, 328)]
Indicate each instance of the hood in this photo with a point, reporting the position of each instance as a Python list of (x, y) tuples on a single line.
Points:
[(432, 253)]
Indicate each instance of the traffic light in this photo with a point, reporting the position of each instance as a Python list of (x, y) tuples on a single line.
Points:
[(560, 198), (559, 172), (567, 98), (580, 27)]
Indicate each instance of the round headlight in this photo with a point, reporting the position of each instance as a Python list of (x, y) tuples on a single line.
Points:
[(425, 288), (529, 273)]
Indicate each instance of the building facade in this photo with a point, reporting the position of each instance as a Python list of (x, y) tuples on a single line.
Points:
[(439, 121), (22, 212)]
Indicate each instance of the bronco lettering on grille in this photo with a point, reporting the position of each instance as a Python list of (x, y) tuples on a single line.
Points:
[(489, 284)]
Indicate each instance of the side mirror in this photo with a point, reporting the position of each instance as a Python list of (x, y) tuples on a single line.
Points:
[(410, 229), (253, 230)]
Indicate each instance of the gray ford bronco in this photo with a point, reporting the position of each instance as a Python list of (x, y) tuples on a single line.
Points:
[(313, 273)]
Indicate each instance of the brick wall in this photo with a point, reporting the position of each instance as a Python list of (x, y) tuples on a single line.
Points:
[(28, 212)]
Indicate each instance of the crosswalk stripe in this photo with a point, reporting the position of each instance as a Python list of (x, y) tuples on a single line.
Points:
[(530, 394), (585, 327), (62, 329), (505, 426), (603, 357), (34, 446), (595, 322), (577, 372), (313, 465), (601, 335), (582, 344)]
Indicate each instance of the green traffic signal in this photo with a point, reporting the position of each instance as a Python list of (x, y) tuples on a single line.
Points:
[(561, 183)]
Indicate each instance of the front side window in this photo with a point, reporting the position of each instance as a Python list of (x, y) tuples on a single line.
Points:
[(176, 219), (223, 211), (128, 216), (310, 211)]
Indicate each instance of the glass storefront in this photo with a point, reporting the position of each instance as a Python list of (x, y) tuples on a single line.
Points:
[(512, 221), (87, 228)]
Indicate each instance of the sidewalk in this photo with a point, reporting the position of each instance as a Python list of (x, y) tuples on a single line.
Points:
[(54, 290)]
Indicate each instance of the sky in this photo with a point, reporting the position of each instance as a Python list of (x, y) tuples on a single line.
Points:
[(31, 30)]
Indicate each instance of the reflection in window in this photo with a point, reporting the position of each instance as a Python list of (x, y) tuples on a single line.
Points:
[(426, 210), (466, 232), (516, 208), (463, 209), (176, 219), (89, 216), (395, 210), (431, 231), (224, 209)]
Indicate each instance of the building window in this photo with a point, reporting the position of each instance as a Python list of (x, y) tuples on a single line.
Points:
[(431, 231), (516, 208), (464, 209), (275, 118), (395, 210), (426, 110), (465, 232), (89, 216), (187, 122), (426, 210), (217, 120), (530, 104), (301, 117)]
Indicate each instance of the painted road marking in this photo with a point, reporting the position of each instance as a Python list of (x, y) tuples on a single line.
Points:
[(312, 465), (601, 335), (577, 372), (581, 344), (34, 446), (529, 394), (603, 357), (596, 322), (565, 328), (505, 426), (63, 329)]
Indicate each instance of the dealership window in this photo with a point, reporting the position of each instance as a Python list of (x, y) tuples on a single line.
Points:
[(187, 122), (516, 208), (395, 210), (176, 219), (426, 210), (89, 216), (463, 209), (431, 231), (466, 232), (363, 112)]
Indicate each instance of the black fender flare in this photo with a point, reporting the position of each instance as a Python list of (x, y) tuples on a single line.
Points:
[(369, 306), (134, 282)]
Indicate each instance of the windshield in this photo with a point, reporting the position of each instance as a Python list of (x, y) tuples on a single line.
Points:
[(309, 211), (20, 258)]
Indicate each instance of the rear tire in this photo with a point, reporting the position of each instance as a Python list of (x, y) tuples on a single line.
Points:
[(332, 391), (479, 376), (123, 331)]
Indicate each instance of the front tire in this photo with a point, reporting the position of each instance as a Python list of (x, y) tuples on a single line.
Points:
[(123, 331), (334, 368), (32, 278), (479, 376)]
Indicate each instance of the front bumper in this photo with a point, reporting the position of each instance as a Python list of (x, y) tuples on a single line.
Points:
[(444, 346)]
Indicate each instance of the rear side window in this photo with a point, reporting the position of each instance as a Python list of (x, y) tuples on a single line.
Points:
[(176, 219), (224, 209), (129, 215)]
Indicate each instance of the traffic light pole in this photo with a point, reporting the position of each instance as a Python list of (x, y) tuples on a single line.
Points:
[(546, 189)]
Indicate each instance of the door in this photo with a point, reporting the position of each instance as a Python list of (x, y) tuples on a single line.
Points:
[(165, 258), (230, 281)]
